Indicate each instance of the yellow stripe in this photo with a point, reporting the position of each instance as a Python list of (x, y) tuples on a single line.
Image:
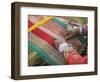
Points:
[(40, 23)]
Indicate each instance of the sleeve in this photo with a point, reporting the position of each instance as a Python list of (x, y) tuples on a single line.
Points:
[(75, 58)]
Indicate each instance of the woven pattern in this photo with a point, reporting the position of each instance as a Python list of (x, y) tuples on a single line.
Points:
[(42, 46)]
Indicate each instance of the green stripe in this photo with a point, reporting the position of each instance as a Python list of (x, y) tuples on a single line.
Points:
[(42, 54), (59, 22)]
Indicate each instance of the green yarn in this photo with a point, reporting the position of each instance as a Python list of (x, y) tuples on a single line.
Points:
[(42, 54), (59, 22)]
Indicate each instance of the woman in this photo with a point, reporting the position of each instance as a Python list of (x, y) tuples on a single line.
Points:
[(71, 55)]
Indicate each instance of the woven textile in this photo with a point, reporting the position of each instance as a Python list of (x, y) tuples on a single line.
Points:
[(42, 40)]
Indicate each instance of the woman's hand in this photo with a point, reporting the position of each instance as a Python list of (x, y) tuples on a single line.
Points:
[(70, 33), (68, 50)]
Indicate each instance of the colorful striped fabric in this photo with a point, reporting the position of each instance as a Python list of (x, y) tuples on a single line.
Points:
[(42, 39), (33, 20), (49, 50), (49, 26), (41, 53), (39, 23), (43, 35)]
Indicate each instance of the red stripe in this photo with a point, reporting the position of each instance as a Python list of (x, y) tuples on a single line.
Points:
[(43, 35)]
